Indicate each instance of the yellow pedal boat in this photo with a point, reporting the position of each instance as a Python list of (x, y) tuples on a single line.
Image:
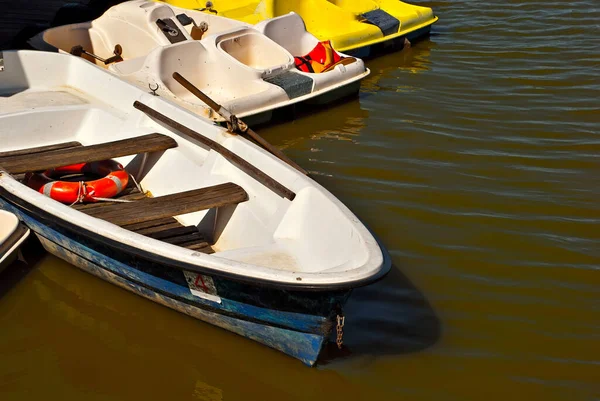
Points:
[(353, 26)]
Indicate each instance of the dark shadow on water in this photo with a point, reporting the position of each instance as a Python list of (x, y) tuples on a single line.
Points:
[(13, 274), (390, 317)]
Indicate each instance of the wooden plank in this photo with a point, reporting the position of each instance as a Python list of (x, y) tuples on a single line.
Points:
[(173, 232), (85, 154), (197, 242), (171, 205), (199, 248), (185, 239), (242, 164), (150, 230), (40, 149), (149, 223)]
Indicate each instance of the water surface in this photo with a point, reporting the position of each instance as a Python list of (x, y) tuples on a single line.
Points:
[(475, 157)]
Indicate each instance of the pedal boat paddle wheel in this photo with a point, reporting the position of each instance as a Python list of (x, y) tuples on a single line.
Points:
[(219, 228)]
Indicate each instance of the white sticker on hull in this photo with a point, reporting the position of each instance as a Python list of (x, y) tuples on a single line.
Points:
[(202, 286)]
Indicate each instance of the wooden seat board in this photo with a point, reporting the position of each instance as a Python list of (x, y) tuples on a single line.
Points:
[(148, 231), (185, 239), (171, 205), (200, 248), (150, 224), (40, 149), (173, 232), (84, 154)]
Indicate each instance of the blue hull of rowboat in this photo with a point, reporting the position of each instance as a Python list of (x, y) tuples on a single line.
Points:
[(296, 323)]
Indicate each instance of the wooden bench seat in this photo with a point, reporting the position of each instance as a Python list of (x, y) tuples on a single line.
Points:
[(154, 218), (21, 161), (148, 209), (173, 232), (40, 149)]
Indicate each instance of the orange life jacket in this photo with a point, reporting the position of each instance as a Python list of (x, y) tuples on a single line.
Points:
[(319, 58)]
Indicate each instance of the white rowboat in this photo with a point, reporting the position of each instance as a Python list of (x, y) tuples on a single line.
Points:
[(222, 230)]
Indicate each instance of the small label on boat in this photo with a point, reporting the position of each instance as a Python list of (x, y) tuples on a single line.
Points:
[(202, 286)]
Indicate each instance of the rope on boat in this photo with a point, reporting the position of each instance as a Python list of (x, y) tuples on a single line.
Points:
[(138, 186), (111, 200), (82, 192)]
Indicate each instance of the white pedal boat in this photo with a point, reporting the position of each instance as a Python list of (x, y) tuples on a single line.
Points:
[(249, 70), (12, 234), (273, 259)]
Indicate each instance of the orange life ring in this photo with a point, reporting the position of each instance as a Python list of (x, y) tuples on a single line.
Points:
[(114, 180)]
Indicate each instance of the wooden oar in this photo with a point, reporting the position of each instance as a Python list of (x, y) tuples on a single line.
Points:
[(242, 164), (235, 122)]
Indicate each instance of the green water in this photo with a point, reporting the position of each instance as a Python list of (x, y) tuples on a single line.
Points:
[(475, 157)]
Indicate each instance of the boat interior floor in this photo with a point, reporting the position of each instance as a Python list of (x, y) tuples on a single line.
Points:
[(32, 99), (133, 210)]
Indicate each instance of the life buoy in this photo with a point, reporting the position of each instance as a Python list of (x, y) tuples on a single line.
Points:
[(319, 58), (114, 180)]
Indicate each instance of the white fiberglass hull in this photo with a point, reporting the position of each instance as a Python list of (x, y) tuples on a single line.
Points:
[(250, 70)]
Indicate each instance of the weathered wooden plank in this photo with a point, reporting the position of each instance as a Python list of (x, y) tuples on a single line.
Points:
[(84, 154), (150, 223), (173, 232), (150, 230), (40, 149), (242, 164), (171, 205), (199, 247), (185, 239)]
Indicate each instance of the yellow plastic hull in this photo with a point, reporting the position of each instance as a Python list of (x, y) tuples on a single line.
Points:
[(349, 24)]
